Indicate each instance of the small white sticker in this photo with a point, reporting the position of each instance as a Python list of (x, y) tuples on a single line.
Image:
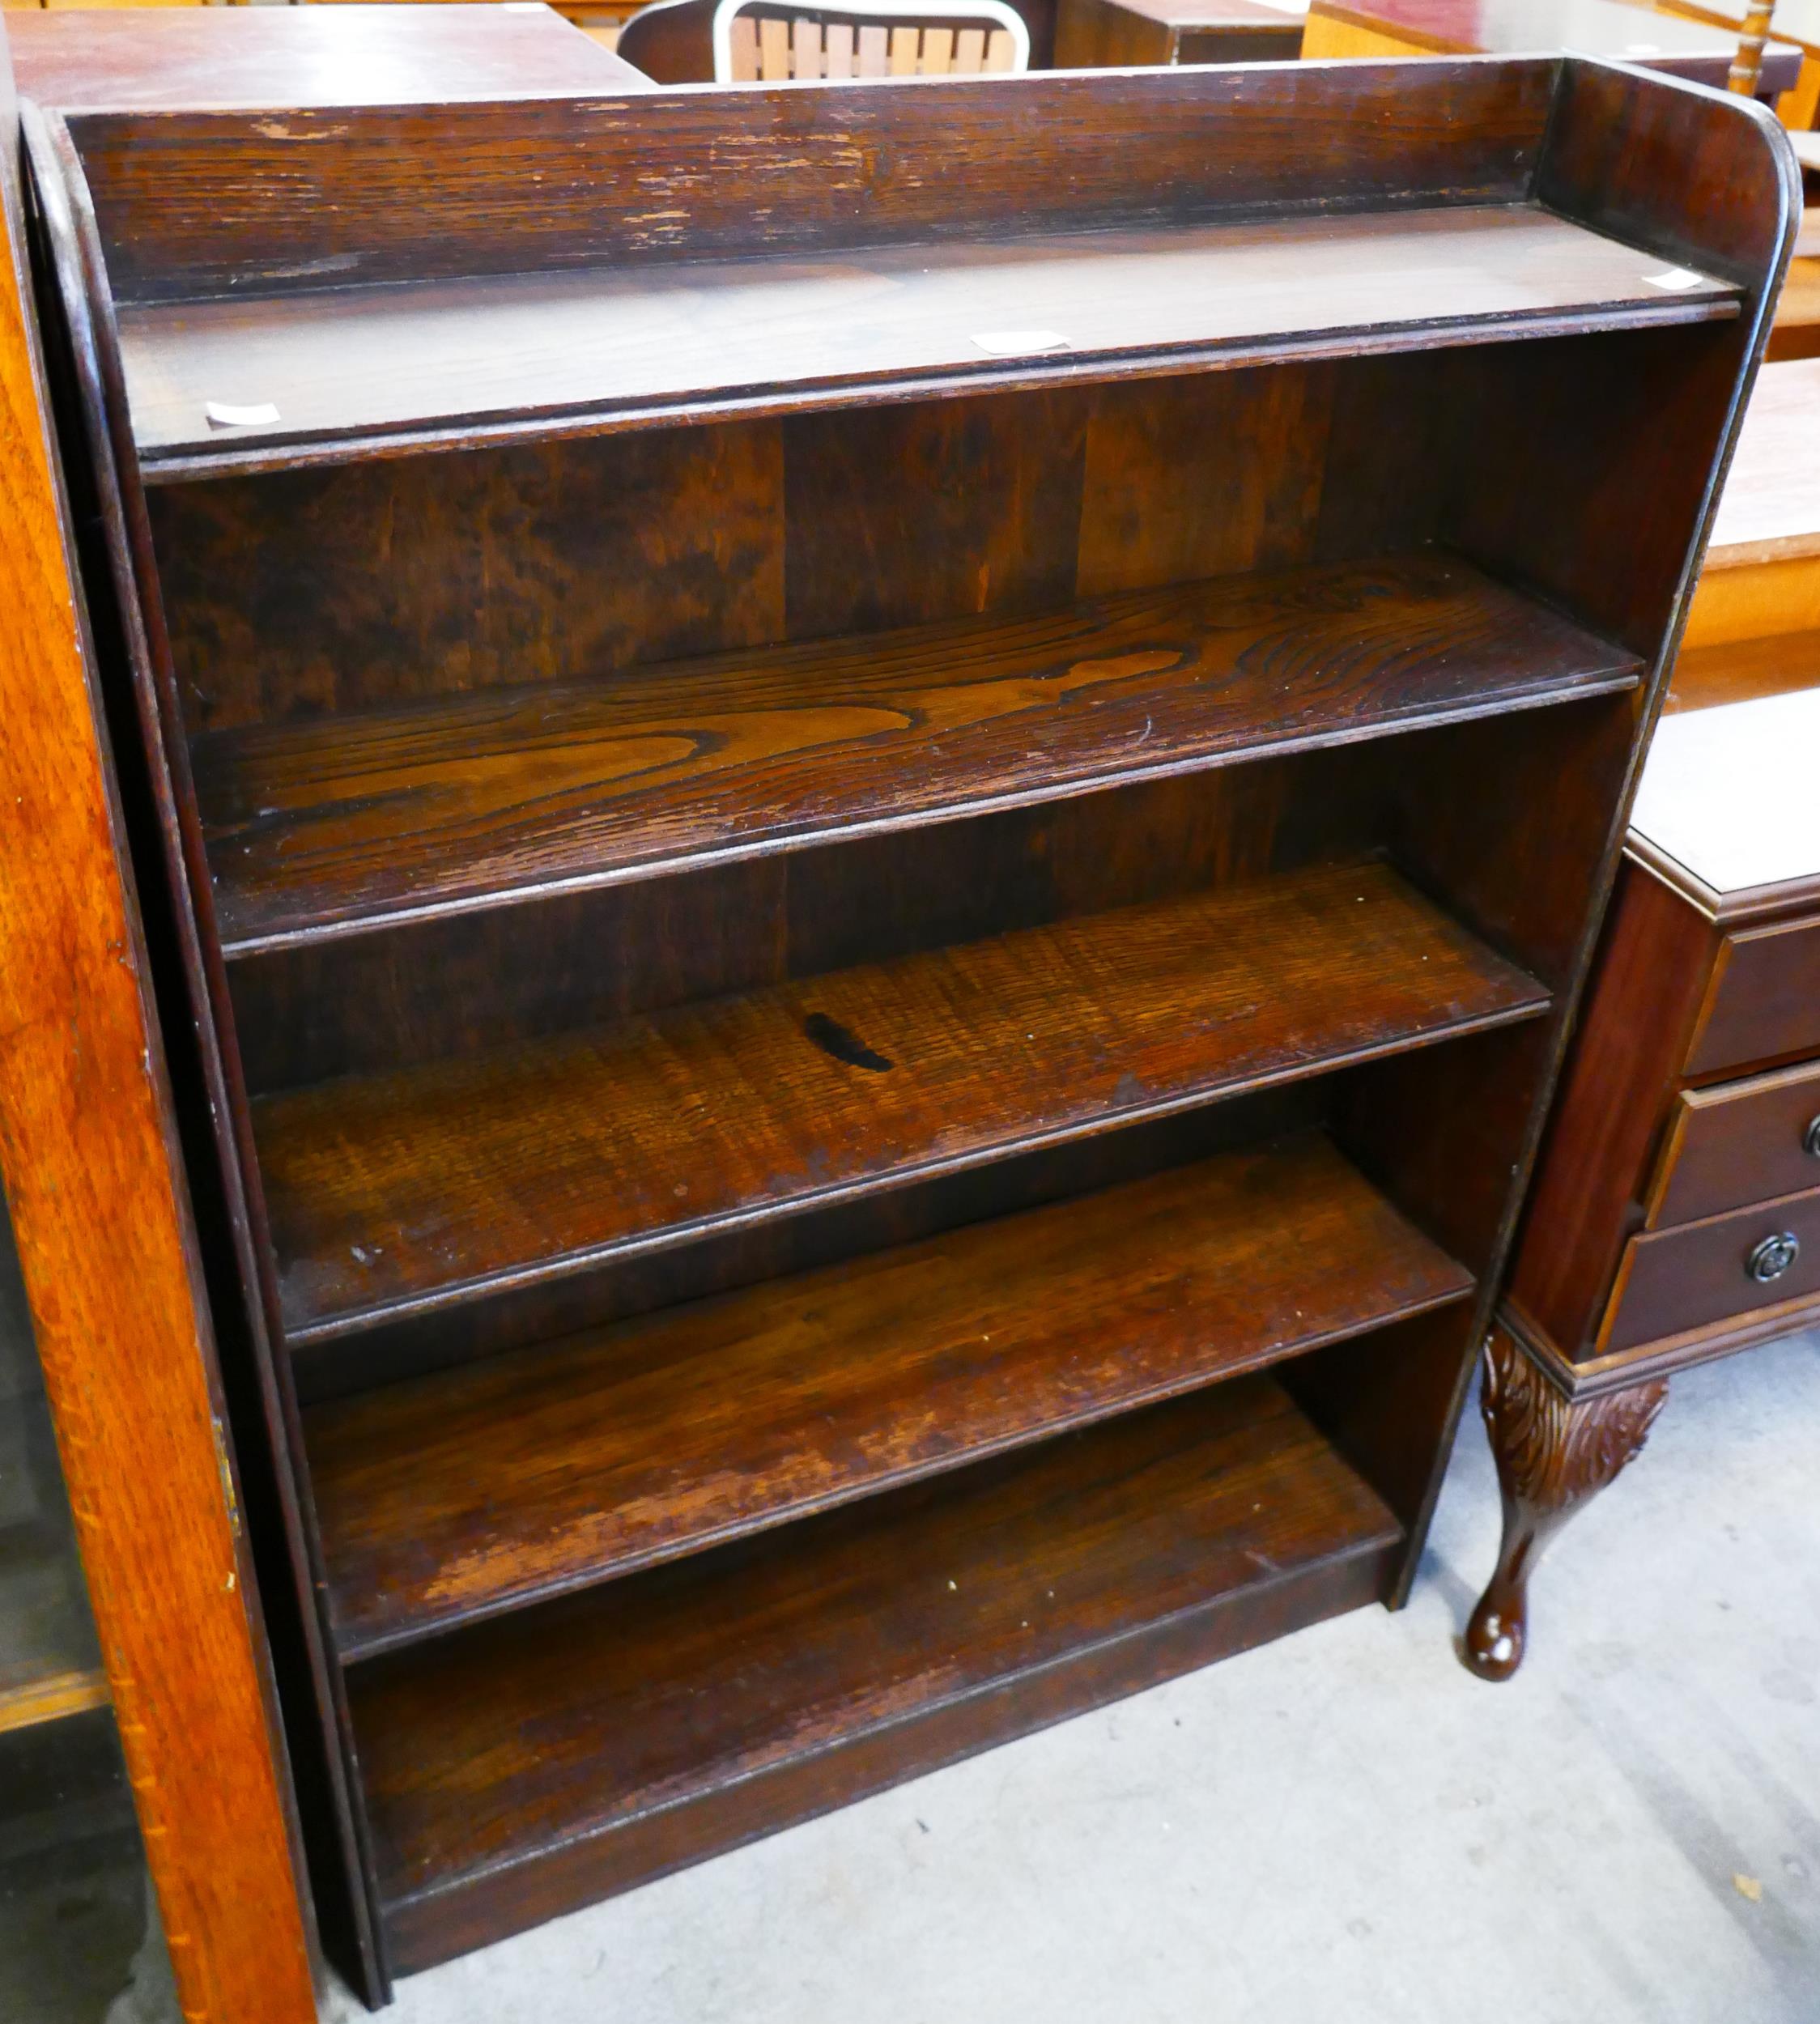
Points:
[(224, 415), (1673, 277), (1011, 344)]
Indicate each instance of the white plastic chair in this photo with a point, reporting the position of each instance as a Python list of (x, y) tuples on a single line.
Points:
[(768, 42)]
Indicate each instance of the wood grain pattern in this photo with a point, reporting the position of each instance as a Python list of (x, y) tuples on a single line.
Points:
[(1738, 1143), (1764, 1001), (1673, 1281), (369, 584), (692, 175), (99, 1213), (344, 819), (815, 1054), (422, 1187), (565, 1466), (612, 347), (607, 1718), (1603, 1130), (1090, 34)]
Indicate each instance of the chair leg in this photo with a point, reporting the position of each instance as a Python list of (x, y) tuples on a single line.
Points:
[(1553, 1454)]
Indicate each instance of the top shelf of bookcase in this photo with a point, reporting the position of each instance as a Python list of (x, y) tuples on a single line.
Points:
[(324, 374)]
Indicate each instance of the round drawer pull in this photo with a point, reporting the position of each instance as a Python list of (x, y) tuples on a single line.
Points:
[(1773, 1257), (1810, 1138)]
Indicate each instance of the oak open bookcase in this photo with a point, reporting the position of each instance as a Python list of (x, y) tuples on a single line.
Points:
[(878, 810)]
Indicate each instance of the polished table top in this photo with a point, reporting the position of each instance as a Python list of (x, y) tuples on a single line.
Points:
[(1591, 27), (151, 59), (1730, 793)]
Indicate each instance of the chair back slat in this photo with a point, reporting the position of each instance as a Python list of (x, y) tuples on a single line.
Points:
[(757, 41), (774, 49), (744, 50)]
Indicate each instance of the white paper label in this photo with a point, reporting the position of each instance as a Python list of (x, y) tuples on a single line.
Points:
[(224, 415), (1012, 344), (1673, 277)]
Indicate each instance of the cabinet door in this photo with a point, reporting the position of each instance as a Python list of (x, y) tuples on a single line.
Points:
[(78, 1927)]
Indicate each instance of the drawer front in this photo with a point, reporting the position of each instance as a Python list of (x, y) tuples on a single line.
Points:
[(1674, 1280), (1765, 999), (1738, 1143)]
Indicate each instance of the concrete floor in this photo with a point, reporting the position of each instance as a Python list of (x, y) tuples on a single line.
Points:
[(1343, 1828)]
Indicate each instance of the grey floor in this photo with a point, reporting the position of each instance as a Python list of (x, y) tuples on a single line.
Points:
[(1343, 1828)]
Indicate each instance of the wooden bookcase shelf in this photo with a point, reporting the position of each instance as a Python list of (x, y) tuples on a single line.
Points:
[(613, 1736), (427, 1185), (338, 822), (867, 901), (602, 350), (643, 1441)]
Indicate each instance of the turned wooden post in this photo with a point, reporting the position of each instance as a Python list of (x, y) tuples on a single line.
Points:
[(1553, 1453), (1747, 66)]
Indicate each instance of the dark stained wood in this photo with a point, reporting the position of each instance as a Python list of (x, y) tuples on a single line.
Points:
[(1241, 459), (1763, 1004), (1672, 1281), (182, 58), (1095, 34), (488, 1122), (621, 346), (859, 166), (1553, 1454), (1606, 1125), (419, 1187), (979, 513), (558, 1742), (345, 818), (547, 1311), (99, 1213), (318, 593), (539, 1473), (1739, 1142)]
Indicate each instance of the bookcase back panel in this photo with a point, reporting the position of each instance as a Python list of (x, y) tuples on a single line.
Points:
[(294, 593)]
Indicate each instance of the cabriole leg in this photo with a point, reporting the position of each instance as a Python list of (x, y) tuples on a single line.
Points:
[(1553, 1454)]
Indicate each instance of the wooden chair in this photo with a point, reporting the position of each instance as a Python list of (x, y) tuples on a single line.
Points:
[(760, 42), (1747, 67)]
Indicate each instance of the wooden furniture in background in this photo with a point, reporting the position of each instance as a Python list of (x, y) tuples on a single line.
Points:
[(108, 1259), (1796, 22), (678, 42), (1676, 1215), (1107, 34), (1611, 28), (145, 59), (762, 40), (877, 918), (1745, 75), (1754, 628)]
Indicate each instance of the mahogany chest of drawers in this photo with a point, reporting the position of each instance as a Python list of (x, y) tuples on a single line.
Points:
[(1676, 1215)]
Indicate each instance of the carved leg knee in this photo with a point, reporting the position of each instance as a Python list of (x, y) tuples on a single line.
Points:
[(1553, 1454)]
